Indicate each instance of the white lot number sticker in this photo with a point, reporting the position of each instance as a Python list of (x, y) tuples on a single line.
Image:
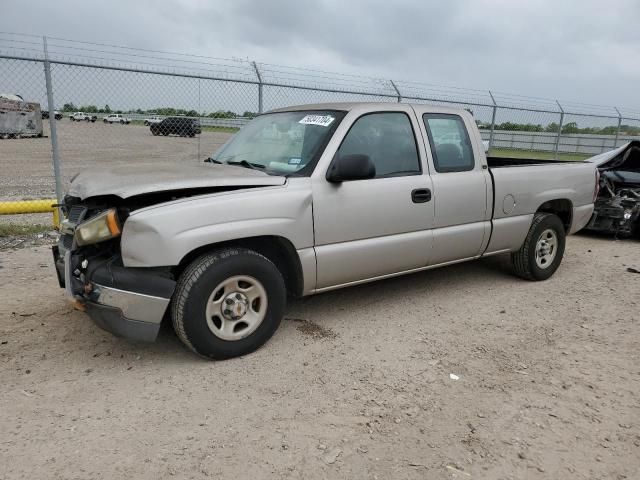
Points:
[(322, 120)]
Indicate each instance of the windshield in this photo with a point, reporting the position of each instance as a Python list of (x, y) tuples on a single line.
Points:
[(281, 143)]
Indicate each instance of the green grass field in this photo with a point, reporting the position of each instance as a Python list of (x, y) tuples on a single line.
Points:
[(507, 152)]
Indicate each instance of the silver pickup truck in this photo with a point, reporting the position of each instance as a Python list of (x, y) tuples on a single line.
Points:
[(300, 201)]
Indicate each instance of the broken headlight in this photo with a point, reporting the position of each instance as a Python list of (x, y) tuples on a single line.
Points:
[(99, 228)]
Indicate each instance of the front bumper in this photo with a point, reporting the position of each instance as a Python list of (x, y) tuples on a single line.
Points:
[(128, 302)]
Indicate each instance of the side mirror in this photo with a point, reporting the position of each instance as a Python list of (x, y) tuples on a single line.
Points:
[(351, 167)]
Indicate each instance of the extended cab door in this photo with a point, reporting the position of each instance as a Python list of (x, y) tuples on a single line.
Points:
[(462, 186), (366, 229)]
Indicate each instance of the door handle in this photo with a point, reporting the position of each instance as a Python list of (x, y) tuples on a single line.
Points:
[(421, 195)]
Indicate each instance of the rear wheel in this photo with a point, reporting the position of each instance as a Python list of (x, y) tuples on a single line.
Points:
[(87, 119), (543, 248), (228, 303)]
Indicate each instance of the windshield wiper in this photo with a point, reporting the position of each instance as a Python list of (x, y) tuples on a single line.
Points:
[(225, 159), (212, 160), (244, 163)]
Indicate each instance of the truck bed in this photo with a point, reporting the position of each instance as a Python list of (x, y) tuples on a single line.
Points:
[(497, 162)]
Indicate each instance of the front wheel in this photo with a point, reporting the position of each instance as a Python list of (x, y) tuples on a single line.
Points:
[(228, 303), (543, 248)]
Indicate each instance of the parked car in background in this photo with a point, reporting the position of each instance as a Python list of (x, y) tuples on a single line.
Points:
[(183, 126), (152, 120), (116, 118), (304, 200), (81, 116), (56, 114)]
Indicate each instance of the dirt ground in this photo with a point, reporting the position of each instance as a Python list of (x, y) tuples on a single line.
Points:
[(27, 170), (355, 384)]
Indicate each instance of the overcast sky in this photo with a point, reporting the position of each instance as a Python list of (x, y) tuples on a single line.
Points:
[(583, 50)]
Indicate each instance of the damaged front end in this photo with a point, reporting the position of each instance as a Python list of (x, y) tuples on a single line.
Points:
[(124, 300), (617, 206), (128, 302)]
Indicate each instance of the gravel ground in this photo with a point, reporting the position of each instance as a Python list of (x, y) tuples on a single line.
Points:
[(26, 165), (356, 383)]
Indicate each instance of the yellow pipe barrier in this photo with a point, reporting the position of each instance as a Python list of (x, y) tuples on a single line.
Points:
[(32, 206)]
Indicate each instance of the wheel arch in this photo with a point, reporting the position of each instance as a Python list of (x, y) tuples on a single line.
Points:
[(562, 208), (278, 249)]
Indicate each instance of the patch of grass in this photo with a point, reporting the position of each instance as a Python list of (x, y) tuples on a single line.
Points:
[(220, 129), (16, 230), (539, 155)]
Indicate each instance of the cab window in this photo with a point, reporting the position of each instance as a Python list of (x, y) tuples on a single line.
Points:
[(450, 144), (388, 139)]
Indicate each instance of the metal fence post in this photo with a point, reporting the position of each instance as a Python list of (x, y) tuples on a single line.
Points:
[(615, 142), (397, 91), (199, 115), (493, 120), (55, 154), (555, 151), (255, 67)]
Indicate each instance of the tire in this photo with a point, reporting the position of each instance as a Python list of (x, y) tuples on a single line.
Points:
[(201, 294), (146, 124), (121, 122), (543, 248), (87, 119), (72, 119), (105, 121)]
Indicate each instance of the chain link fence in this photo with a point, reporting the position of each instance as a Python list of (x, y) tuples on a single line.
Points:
[(113, 105)]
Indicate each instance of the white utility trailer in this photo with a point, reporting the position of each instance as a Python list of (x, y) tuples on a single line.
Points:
[(19, 118)]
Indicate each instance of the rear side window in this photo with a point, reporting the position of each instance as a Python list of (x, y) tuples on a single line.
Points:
[(450, 144), (388, 139)]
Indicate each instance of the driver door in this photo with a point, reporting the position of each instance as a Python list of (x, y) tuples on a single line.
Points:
[(367, 229)]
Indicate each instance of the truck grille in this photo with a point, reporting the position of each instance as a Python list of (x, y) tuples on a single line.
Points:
[(67, 241), (75, 212)]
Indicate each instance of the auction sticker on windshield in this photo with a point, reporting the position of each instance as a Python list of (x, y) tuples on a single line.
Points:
[(322, 120)]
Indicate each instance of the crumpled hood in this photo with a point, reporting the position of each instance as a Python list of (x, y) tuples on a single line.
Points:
[(127, 181), (602, 159)]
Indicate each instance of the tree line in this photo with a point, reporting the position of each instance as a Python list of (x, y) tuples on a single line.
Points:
[(553, 127), (164, 111), (567, 128)]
